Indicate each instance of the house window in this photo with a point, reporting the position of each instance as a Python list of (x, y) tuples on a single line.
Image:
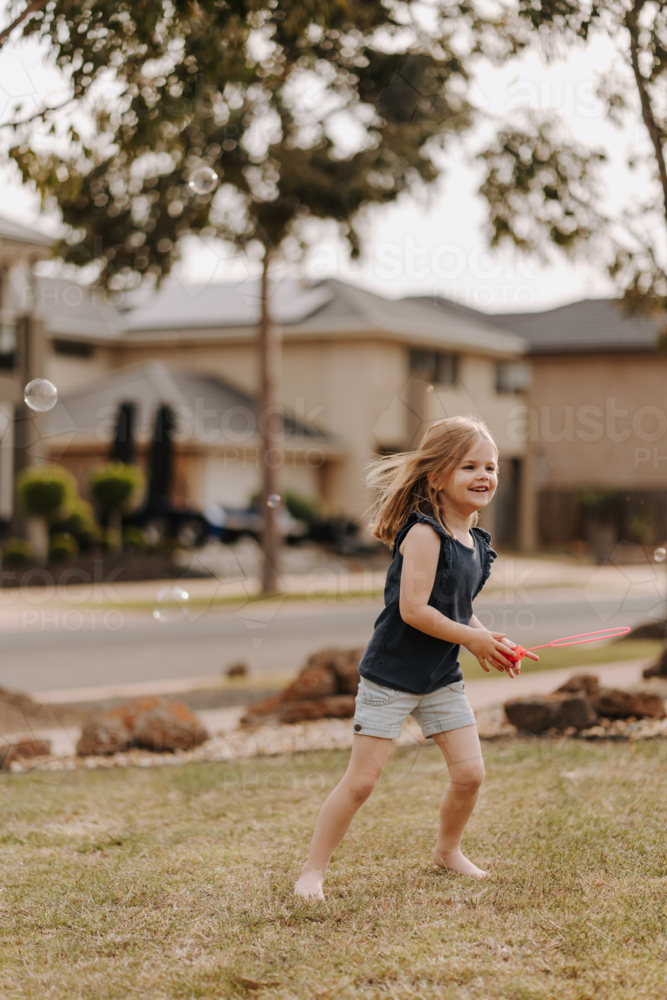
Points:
[(512, 377), (439, 367), (7, 345), (73, 348)]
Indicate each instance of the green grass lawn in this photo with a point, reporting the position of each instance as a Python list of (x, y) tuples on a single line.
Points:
[(177, 882), (586, 655)]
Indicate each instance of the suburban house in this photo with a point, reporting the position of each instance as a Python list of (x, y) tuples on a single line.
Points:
[(574, 396), (595, 422), (362, 375)]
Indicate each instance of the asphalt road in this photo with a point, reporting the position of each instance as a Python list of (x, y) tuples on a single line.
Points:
[(61, 660)]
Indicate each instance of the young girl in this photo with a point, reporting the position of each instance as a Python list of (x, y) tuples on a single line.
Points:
[(428, 506)]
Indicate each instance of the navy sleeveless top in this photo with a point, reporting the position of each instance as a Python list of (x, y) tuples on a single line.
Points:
[(402, 657)]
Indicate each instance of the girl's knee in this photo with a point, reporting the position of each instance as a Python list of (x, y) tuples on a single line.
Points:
[(469, 777), (360, 786)]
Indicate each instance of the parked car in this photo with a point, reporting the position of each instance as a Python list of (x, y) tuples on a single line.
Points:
[(163, 520), (232, 523)]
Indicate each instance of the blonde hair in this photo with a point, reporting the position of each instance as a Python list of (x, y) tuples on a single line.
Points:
[(402, 480)]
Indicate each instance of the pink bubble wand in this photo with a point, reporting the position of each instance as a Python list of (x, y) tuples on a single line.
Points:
[(518, 652)]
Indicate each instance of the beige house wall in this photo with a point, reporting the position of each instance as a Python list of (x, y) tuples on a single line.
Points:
[(358, 391), (70, 373), (237, 363), (598, 421)]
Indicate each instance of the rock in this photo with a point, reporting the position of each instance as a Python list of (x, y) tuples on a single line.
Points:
[(267, 706), (590, 683), (342, 663), (130, 710), (325, 688), (171, 725), (23, 750), (537, 713), (314, 681), (649, 630), (346, 668), (616, 704), (103, 735), (657, 669), (338, 706), (237, 670), (153, 722)]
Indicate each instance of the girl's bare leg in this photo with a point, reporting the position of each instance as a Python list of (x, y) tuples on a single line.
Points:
[(461, 750), (369, 754)]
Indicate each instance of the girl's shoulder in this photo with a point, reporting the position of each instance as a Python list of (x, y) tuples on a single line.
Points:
[(488, 553), (484, 535), (416, 517)]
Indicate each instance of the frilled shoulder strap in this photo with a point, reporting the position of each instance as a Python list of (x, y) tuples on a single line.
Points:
[(415, 517), (488, 555)]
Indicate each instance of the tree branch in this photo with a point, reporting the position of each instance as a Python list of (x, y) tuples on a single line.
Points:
[(654, 130), (30, 9), (38, 114)]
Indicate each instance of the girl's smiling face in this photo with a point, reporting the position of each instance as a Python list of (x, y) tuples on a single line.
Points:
[(470, 486)]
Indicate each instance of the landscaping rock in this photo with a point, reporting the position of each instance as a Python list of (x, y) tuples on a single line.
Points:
[(153, 722), (537, 713), (104, 735), (24, 750), (590, 683), (345, 666), (325, 688), (616, 704), (314, 681), (171, 725), (657, 669), (339, 706)]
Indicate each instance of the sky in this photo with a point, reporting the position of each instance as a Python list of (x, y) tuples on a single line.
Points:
[(420, 245)]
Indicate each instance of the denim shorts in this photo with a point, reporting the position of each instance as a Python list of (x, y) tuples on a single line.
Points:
[(381, 711)]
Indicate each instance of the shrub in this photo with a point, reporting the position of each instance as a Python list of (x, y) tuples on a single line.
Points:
[(117, 487), (135, 539), (17, 552), (300, 507), (78, 519), (62, 547), (45, 491)]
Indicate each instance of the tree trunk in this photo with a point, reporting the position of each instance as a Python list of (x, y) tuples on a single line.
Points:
[(653, 128), (115, 531), (29, 440), (38, 536), (270, 423)]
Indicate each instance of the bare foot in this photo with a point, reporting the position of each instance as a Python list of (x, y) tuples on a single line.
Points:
[(309, 885), (455, 861)]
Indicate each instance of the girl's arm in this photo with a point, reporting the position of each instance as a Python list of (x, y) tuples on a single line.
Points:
[(476, 623), (421, 550)]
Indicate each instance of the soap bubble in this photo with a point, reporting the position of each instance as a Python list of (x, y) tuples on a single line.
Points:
[(203, 180), (274, 500), (660, 555), (430, 388), (40, 395), (171, 604)]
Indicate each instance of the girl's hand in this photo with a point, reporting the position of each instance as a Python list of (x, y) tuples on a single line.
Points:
[(523, 653), (490, 647)]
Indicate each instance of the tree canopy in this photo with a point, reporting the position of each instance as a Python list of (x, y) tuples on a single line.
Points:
[(307, 110), (543, 189)]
